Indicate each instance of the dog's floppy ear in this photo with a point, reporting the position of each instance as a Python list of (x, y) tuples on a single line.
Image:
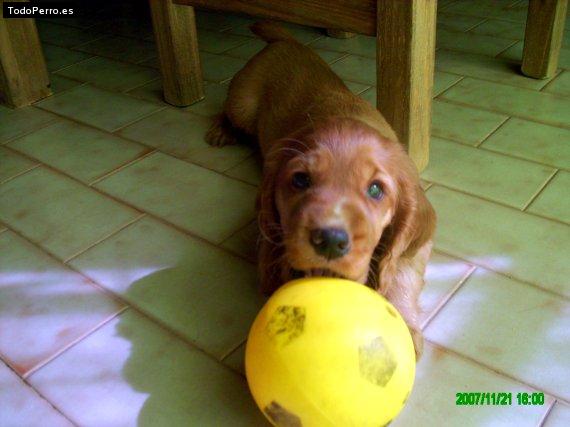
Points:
[(412, 226), (270, 248)]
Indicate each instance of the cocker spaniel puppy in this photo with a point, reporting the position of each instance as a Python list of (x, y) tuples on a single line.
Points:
[(339, 195)]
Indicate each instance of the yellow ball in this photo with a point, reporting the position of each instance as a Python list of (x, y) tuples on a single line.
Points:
[(329, 352)]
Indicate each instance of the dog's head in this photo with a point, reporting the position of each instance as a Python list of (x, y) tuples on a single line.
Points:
[(341, 200)]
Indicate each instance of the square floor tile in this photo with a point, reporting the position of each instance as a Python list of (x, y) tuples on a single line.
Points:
[(440, 375), (503, 239), (554, 200), (514, 328), (499, 28), (463, 124), (109, 74), (205, 294), (485, 8), (532, 141), (443, 274), (244, 242), (13, 164), (357, 45), (356, 69), (105, 110), (182, 134), (44, 306), (22, 406), (80, 151), (472, 43), (249, 170), (60, 84), (59, 57), (481, 67), (121, 48), (443, 81), (547, 108), (151, 91), (17, 122), (356, 88), (59, 214), (248, 49), (560, 85), (455, 22), (63, 35), (559, 416), (132, 372), (216, 42), (218, 68), (189, 196), (489, 175)]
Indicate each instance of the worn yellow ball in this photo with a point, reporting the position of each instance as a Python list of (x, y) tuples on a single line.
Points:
[(329, 352)]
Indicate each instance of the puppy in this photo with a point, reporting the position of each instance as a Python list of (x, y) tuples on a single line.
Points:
[(339, 196)]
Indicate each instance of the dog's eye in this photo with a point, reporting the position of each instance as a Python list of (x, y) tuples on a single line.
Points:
[(375, 190), (301, 180)]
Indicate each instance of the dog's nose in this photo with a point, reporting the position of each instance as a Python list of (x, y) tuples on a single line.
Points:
[(330, 242)]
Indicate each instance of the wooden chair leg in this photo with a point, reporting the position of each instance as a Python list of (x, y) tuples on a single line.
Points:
[(405, 67), (23, 74), (177, 43), (543, 37)]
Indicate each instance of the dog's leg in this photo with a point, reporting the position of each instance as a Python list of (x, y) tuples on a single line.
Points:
[(404, 291), (221, 132)]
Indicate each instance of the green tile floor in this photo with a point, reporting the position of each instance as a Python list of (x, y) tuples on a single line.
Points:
[(127, 267)]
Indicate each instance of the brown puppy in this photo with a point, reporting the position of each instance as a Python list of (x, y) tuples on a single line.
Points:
[(339, 195)]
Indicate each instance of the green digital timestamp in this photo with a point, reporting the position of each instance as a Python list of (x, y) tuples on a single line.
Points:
[(498, 398)]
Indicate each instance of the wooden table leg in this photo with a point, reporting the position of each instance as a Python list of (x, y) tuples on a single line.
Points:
[(23, 74), (543, 37), (177, 44), (405, 66)]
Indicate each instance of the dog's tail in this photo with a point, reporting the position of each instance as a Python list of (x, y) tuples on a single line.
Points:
[(271, 32)]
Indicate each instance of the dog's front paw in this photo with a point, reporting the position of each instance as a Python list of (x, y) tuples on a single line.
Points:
[(220, 132)]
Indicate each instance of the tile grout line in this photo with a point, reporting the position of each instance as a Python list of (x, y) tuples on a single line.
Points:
[(539, 191), (504, 274), (123, 301), (497, 202), (74, 342), (493, 132), (121, 167), (53, 120), (118, 135), (498, 55), (126, 91), (497, 371), (138, 119), (137, 209), (232, 350), (20, 173), (547, 413), (502, 82), (526, 118), (448, 297), (107, 236), (461, 78), (38, 393)]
